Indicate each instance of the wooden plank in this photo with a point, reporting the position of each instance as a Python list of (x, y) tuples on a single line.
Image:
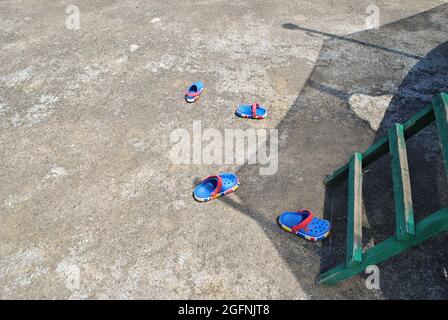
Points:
[(404, 211), (440, 105), (418, 121), (413, 125), (338, 175), (354, 216), (425, 229)]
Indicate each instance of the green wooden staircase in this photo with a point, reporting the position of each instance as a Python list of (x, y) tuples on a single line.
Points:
[(407, 234)]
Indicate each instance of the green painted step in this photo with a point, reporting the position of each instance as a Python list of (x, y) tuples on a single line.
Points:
[(440, 103), (404, 211), (354, 216)]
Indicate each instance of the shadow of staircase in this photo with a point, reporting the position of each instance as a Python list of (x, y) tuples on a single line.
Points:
[(398, 70)]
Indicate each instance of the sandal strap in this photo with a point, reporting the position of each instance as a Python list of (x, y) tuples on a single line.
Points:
[(218, 185), (192, 94), (305, 221), (254, 109)]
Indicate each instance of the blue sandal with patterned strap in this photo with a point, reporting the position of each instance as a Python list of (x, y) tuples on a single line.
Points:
[(305, 225), (217, 186), (254, 111)]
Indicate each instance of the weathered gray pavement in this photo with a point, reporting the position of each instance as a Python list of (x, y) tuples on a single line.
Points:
[(86, 179)]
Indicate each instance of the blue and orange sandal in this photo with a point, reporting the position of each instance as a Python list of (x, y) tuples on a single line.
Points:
[(194, 91), (254, 111), (216, 186), (303, 224)]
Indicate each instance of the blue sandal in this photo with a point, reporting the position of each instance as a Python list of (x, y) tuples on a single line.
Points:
[(305, 225), (194, 91), (214, 187), (254, 111)]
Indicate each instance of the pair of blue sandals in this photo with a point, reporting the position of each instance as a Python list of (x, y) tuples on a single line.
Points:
[(253, 111), (301, 223)]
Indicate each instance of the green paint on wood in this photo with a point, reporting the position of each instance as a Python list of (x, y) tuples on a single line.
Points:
[(338, 175), (418, 121), (427, 228), (354, 215), (404, 212), (440, 103)]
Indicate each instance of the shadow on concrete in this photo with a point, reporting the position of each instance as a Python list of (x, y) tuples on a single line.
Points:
[(324, 127)]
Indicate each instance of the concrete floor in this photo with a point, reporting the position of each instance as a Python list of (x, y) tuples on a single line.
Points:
[(87, 186)]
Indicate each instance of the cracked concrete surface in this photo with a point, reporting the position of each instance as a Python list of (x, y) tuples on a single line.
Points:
[(87, 186)]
